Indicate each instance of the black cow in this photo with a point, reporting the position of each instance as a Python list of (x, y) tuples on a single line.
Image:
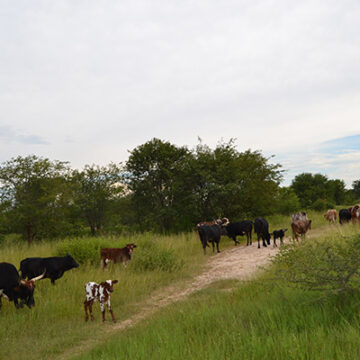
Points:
[(344, 216), (14, 288), (54, 267), (241, 228), (210, 233), (279, 234), (261, 227)]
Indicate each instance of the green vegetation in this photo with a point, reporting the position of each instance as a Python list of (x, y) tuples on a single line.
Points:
[(57, 320), (161, 188), (265, 318)]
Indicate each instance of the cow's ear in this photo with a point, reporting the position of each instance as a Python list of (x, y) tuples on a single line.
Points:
[(115, 281)]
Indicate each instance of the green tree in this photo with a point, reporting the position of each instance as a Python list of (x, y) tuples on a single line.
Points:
[(154, 171), (95, 188), (309, 188), (356, 188), (34, 192)]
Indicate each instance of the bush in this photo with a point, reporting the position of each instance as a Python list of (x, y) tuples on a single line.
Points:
[(329, 265), (83, 249), (153, 257)]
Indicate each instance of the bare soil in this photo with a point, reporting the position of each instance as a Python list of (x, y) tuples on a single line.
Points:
[(241, 262)]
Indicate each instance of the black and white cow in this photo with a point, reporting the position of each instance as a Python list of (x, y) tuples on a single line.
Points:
[(54, 267)]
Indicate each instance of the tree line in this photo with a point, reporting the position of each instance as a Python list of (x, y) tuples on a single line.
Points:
[(161, 188)]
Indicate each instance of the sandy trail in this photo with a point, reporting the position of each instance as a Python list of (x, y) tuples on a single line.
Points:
[(240, 262)]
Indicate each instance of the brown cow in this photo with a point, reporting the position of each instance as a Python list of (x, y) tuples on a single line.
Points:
[(355, 212), (300, 227), (117, 255), (331, 216)]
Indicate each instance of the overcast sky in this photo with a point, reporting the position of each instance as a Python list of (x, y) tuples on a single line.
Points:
[(86, 81)]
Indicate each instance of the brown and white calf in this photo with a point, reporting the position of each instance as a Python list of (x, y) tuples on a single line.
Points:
[(331, 216), (117, 255), (100, 292)]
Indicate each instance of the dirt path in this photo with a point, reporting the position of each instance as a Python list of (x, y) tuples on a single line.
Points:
[(240, 262)]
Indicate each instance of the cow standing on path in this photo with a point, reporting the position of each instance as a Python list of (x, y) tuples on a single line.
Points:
[(261, 227), (300, 227), (211, 234), (233, 229), (331, 216)]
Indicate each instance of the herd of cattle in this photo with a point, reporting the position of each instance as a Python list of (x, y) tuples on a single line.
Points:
[(211, 232), (20, 288)]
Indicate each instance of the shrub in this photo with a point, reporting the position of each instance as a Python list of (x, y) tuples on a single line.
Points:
[(152, 256), (327, 265), (84, 249)]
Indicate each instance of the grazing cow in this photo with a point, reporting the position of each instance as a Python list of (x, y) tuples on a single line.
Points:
[(299, 216), (100, 292), (331, 216), (344, 216), (210, 233), (300, 227), (261, 227), (54, 267), (117, 255), (14, 288), (232, 229), (355, 212), (279, 234)]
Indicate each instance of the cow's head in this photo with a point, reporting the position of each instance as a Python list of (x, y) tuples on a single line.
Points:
[(70, 262), (108, 284), (25, 291), (130, 248)]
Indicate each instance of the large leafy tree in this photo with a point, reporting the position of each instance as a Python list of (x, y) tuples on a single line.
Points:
[(311, 188), (95, 188), (34, 195), (173, 187), (154, 173)]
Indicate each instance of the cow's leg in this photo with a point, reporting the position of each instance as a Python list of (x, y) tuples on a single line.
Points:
[(217, 246), (104, 263), (110, 310), (281, 240), (258, 241), (275, 241), (102, 307), (250, 236), (213, 245), (204, 244), (86, 310), (264, 242), (235, 241)]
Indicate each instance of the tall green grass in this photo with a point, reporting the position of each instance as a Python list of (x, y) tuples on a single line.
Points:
[(250, 322), (57, 320), (217, 322)]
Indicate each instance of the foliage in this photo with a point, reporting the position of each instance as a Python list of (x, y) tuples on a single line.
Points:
[(311, 187), (95, 189), (330, 265), (34, 196), (173, 188), (152, 257), (287, 202)]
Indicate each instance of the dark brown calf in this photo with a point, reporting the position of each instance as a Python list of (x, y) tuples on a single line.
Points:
[(100, 292), (117, 255)]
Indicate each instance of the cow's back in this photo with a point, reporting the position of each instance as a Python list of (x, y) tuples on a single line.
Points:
[(261, 226), (9, 276), (31, 267)]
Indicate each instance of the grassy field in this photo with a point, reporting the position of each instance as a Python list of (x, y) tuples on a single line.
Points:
[(213, 324)]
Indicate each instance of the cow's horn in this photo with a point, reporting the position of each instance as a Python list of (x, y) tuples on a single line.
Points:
[(38, 277), (225, 221)]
